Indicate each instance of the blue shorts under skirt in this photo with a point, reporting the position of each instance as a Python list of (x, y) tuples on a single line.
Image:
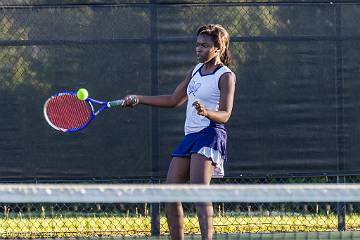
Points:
[(209, 142)]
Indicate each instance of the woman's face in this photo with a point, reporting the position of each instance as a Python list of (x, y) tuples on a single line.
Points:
[(205, 49)]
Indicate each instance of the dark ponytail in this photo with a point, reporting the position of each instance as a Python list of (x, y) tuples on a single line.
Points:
[(226, 56)]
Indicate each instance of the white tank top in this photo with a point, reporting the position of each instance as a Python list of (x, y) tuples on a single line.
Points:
[(205, 89)]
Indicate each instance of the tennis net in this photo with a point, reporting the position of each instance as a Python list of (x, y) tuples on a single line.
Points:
[(119, 211)]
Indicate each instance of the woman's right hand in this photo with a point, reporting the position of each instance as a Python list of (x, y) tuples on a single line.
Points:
[(131, 101)]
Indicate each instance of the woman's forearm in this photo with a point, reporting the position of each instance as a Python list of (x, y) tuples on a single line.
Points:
[(221, 117), (166, 101)]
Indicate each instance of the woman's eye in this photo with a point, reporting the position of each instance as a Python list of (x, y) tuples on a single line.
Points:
[(201, 45)]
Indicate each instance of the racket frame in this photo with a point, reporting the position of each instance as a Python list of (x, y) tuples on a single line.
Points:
[(90, 102)]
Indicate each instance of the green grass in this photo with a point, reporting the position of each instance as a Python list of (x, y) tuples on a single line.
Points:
[(126, 226)]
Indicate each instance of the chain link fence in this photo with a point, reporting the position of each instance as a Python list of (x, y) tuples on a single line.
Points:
[(306, 126), (284, 54)]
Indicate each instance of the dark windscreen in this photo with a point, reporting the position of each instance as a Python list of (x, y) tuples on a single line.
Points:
[(296, 108)]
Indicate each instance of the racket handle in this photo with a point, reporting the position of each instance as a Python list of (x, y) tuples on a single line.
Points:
[(116, 103)]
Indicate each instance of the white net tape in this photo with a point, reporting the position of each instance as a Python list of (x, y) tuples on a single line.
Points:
[(132, 193)]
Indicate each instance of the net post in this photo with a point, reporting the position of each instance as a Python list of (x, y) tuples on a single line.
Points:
[(155, 219), (155, 215), (340, 129), (341, 208), (155, 207)]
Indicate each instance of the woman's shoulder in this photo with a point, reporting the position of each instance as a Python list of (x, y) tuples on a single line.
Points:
[(196, 68), (226, 73), (224, 69)]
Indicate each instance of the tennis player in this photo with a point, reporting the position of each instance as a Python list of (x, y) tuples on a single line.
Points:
[(209, 90)]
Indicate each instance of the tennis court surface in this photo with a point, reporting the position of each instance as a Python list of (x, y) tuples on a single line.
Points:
[(264, 236)]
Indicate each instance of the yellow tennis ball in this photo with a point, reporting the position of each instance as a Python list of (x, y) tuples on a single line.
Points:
[(82, 94)]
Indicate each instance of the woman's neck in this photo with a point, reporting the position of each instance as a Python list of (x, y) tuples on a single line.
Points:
[(212, 63)]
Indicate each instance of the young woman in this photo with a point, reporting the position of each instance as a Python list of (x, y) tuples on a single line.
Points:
[(209, 90)]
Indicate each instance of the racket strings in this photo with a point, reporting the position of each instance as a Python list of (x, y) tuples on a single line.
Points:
[(68, 112)]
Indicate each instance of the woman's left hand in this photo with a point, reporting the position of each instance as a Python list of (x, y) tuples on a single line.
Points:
[(200, 108)]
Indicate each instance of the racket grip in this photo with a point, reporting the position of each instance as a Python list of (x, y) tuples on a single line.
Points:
[(116, 103)]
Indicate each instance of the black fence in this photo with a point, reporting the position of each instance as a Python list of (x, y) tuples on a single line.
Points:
[(296, 109)]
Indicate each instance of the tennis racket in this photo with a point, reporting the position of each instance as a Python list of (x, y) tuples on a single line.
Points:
[(66, 113)]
